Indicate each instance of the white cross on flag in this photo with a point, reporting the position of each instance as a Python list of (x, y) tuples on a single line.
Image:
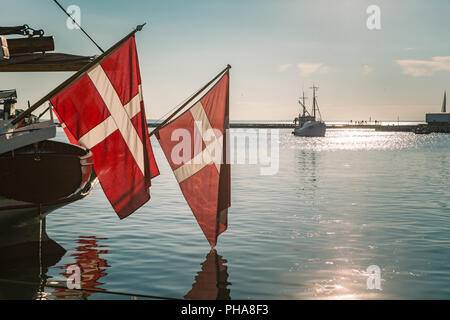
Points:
[(104, 112), (195, 145)]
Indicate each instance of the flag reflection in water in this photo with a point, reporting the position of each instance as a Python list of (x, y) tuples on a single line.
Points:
[(212, 281), (92, 267)]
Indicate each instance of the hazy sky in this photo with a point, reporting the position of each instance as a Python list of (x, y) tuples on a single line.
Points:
[(275, 47)]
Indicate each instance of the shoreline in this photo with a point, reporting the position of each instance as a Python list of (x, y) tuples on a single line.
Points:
[(376, 127)]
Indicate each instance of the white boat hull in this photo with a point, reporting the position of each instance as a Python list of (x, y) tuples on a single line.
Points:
[(311, 129)]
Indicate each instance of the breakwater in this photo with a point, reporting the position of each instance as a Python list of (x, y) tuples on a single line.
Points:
[(376, 127)]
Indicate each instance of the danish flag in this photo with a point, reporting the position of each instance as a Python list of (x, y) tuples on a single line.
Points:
[(104, 112), (200, 164)]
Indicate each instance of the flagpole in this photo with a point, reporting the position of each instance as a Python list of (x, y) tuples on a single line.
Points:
[(75, 77), (162, 124)]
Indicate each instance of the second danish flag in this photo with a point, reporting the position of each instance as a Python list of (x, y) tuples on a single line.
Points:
[(196, 147)]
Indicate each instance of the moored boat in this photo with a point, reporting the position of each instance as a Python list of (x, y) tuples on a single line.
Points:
[(41, 177), (37, 174)]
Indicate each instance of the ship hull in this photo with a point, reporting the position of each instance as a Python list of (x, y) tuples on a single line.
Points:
[(29, 253), (310, 129), (39, 178)]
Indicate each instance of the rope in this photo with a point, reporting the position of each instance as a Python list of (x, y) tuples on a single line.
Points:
[(74, 21), (49, 285), (41, 226)]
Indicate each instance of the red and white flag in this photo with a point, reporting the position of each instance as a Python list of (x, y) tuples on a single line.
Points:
[(104, 112), (195, 145)]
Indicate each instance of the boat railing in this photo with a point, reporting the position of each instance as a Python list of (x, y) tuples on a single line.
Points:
[(31, 127)]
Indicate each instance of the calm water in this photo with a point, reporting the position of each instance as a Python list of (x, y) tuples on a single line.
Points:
[(337, 205)]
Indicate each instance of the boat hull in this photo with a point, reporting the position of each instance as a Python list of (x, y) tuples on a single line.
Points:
[(29, 253), (11, 210), (39, 178), (311, 129)]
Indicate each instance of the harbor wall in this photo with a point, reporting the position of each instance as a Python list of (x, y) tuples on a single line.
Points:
[(377, 127)]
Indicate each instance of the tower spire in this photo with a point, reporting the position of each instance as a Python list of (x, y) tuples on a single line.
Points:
[(444, 103)]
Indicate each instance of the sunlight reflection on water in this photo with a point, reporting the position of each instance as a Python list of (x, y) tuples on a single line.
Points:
[(338, 204), (357, 139)]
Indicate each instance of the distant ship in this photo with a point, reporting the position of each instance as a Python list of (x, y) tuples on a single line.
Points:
[(306, 124)]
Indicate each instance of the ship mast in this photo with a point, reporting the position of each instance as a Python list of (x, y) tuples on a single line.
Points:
[(314, 104), (302, 103)]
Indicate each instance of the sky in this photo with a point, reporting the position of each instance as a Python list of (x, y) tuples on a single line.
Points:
[(276, 49)]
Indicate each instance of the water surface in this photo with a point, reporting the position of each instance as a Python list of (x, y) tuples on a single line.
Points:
[(337, 205)]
